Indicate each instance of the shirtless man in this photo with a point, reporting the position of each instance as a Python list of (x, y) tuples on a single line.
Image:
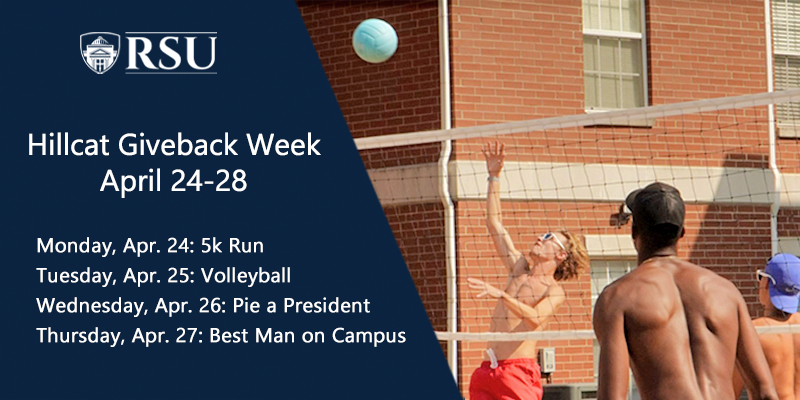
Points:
[(778, 291), (532, 294), (682, 329)]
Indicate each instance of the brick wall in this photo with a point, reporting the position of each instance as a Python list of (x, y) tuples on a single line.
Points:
[(788, 155), (700, 50), (515, 60), (731, 240), (397, 96), (519, 60), (419, 231), (789, 223)]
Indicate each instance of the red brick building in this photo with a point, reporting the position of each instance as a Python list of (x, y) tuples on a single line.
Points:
[(523, 60)]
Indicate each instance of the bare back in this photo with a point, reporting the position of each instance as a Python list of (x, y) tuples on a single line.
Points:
[(780, 352), (783, 354), (681, 323)]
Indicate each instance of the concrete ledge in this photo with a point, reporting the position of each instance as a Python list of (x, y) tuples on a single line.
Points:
[(610, 246), (406, 185), (611, 183), (532, 181), (789, 245)]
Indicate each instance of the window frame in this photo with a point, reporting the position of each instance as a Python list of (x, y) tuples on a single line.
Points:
[(786, 130), (642, 37)]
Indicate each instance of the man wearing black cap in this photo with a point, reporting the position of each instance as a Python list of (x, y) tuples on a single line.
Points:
[(681, 328)]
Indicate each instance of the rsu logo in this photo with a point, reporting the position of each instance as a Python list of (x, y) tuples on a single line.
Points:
[(198, 50), (152, 52)]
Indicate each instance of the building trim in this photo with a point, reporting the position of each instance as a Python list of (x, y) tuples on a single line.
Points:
[(610, 247), (596, 183), (789, 245), (620, 247)]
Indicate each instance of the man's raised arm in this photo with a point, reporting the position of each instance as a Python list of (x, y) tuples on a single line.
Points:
[(494, 154)]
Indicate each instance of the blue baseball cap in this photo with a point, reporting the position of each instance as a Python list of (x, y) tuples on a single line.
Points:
[(784, 292)]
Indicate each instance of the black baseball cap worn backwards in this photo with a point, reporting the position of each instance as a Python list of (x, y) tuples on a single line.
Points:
[(656, 204)]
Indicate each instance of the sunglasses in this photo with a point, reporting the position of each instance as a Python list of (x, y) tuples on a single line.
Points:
[(550, 235), (760, 273)]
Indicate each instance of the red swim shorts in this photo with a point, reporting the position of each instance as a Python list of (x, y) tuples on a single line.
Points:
[(514, 379)]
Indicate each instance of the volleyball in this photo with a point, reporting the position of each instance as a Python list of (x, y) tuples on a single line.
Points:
[(374, 40)]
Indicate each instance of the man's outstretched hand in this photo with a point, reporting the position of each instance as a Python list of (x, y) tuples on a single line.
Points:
[(494, 154)]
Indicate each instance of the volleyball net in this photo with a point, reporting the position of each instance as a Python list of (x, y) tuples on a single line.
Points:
[(736, 162)]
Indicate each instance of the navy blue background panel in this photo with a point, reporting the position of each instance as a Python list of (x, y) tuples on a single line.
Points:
[(315, 214)]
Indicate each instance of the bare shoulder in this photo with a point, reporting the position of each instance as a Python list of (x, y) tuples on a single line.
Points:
[(775, 344), (556, 292), (764, 321), (647, 297), (643, 282), (634, 298), (708, 282), (555, 289), (615, 296), (760, 321), (610, 302), (768, 321)]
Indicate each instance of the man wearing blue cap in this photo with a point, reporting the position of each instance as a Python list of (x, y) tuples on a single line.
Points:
[(779, 293), (682, 329)]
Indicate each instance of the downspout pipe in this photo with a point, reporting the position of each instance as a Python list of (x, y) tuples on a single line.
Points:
[(444, 185), (773, 163)]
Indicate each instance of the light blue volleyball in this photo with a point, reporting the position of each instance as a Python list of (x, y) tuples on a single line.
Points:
[(374, 40)]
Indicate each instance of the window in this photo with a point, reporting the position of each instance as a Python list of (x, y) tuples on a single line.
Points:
[(603, 273), (786, 42), (615, 72)]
